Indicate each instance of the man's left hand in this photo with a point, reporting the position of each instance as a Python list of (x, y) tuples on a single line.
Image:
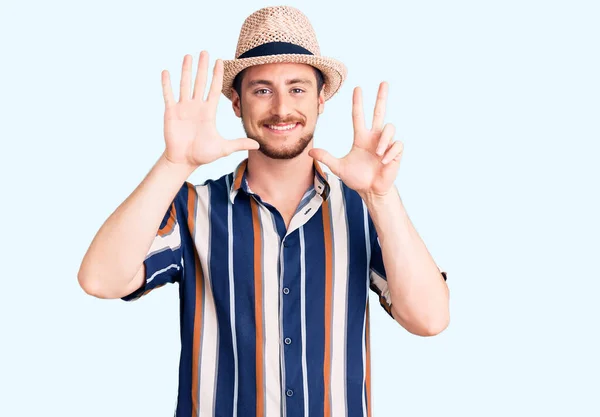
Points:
[(371, 166)]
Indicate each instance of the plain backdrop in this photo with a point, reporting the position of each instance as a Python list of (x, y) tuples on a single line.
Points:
[(498, 106)]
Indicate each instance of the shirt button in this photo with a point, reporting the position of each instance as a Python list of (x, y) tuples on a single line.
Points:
[(289, 393), (286, 290), (287, 340)]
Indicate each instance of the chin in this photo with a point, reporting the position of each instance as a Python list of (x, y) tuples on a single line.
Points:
[(281, 154), (284, 152)]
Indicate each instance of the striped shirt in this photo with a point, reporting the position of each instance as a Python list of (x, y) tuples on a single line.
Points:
[(274, 321)]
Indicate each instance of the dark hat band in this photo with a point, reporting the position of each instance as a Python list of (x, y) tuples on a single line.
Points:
[(275, 48)]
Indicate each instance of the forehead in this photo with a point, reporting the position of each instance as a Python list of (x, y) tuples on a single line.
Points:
[(279, 72)]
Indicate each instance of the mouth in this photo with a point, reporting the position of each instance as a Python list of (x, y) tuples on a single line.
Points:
[(282, 128)]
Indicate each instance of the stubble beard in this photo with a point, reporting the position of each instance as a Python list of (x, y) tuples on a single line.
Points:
[(281, 152)]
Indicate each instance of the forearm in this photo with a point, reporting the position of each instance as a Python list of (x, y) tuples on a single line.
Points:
[(419, 294), (121, 244)]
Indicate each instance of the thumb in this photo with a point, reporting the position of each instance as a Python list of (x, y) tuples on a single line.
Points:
[(326, 158), (241, 144)]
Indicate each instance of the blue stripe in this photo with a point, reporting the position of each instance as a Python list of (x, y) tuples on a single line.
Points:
[(187, 296), (376, 255), (315, 311), (292, 325), (243, 266), (219, 270), (357, 295)]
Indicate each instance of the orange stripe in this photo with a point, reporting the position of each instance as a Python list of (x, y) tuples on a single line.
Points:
[(258, 310), (170, 223), (368, 368), (237, 182), (328, 307), (319, 169), (191, 206), (197, 333), (385, 304)]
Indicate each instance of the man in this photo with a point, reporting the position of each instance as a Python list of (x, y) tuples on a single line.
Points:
[(275, 260)]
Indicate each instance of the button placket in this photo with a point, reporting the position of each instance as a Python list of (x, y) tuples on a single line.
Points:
[(289, 248)]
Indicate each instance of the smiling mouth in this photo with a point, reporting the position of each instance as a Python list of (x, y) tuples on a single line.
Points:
[(282, 128)]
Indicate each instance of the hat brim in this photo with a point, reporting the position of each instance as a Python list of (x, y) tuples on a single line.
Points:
[(333, 70)]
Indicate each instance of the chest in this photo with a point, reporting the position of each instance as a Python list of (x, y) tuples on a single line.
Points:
[(314, 277), (278, 262), (268, 250)]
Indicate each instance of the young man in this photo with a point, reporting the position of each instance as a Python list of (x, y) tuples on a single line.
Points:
[(275, 260)]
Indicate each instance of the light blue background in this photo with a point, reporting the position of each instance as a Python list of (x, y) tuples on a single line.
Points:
[(497, 103)]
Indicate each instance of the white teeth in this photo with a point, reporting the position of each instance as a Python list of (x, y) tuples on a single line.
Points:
[(287, 127)]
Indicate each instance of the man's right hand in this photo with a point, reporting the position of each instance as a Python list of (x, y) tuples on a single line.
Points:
[(190, 130), (113, 265)]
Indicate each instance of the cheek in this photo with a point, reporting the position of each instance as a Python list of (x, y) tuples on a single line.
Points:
[(249, 115), (255, 113), (311, 112)]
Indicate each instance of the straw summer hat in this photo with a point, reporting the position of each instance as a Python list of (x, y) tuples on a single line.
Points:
[(281, 34)]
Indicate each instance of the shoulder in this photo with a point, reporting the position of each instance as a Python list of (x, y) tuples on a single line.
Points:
[(208, 190)]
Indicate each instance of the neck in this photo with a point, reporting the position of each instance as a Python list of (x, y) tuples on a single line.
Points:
[(280, 179)]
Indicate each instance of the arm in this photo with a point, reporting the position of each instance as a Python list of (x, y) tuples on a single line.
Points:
[(113, 264), (419, 294)]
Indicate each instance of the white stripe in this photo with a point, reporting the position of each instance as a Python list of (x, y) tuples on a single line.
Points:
[(271, 330), (340, 287), (232, 301), (303, 319), (208, 350), (382, 285), (172, 240), (149, 280), (367, 282), (301, 217), (281, 351)]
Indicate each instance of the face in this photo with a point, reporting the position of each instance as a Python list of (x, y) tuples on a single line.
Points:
[(279, 107)]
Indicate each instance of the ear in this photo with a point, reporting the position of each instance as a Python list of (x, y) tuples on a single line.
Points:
[(236, 103), (322, 100)]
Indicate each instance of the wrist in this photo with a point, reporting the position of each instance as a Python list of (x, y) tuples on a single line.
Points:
[(179, 170), (374, 199)]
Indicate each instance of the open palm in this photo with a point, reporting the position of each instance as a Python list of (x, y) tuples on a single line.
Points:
[(191, 135), (372, 164)]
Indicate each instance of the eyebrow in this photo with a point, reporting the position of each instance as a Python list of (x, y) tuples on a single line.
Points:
[(287, 82)]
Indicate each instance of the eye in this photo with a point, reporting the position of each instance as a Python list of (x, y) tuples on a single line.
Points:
[(298, 90), (261, 91)]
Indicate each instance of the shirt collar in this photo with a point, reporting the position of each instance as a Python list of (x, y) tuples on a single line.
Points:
[(240, 182)]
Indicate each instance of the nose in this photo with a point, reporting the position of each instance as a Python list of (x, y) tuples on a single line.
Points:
[(281, 106)]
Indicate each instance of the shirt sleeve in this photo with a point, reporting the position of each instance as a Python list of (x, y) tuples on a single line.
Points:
[(377, 273), (164, 260)]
